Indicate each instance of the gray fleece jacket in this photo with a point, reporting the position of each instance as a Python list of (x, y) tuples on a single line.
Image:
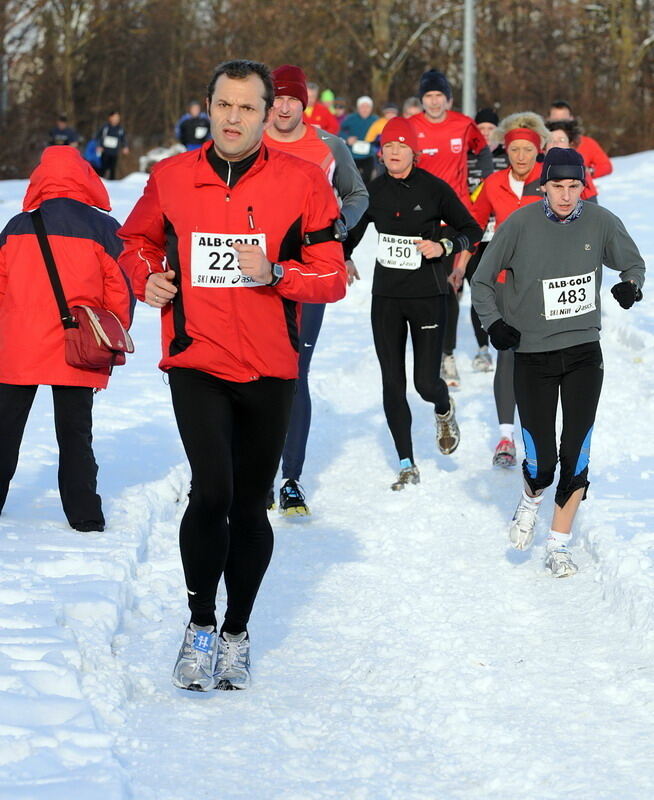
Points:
[(553, 275)]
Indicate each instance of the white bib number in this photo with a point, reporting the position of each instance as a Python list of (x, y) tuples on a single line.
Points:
[(398, 252), (361, 148), (214, 262), (110, 142), (569, 297), (490, 230)]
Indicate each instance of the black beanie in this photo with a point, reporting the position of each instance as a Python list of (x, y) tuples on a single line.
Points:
[(434, 81), (487, 115), (562, 163)]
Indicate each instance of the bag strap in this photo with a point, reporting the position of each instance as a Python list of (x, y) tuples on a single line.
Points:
[(67, 319)]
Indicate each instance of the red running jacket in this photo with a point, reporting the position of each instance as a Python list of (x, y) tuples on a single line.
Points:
[(238, 333), (85, 249), (496, 198)]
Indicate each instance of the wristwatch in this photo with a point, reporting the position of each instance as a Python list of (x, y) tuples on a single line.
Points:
[(277, 274), (448, 246)]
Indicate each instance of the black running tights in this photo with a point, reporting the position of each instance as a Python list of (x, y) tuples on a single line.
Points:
[(233, 435), (576, 374), (425, 318)]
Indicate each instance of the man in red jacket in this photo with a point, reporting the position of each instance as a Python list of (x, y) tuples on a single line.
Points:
[(246, 233), (445, 138), (596, 160)]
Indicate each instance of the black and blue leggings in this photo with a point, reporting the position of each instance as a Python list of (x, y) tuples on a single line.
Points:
[(576, 374)]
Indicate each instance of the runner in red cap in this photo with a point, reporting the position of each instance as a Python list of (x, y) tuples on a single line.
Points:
[(410, 286)]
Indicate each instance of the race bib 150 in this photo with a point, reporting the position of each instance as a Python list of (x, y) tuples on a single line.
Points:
[(398, 252), (569, 297), (214, 262)]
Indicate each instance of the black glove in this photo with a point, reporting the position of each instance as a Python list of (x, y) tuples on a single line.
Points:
[(503, 336), (626, 293)]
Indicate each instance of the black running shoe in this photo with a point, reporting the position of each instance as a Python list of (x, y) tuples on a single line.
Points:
[(292, 501)]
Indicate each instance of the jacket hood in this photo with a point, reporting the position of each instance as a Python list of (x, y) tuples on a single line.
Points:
[(62, 172)]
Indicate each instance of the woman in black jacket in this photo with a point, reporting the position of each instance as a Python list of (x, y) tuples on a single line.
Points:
[(410, 285)]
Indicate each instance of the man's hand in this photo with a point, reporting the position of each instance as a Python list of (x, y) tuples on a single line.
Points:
[(503, 336), (159, 289), (252, 261), (626, 293), (428, 248), (352, 272)]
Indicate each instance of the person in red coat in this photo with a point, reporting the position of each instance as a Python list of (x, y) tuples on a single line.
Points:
[(598, 164), (317, 113), (228, 241), (85, 249)]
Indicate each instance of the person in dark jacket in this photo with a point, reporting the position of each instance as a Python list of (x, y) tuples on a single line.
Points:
[(85, 249), (62, 133), (192, 129), (112, 140), (410, 285)]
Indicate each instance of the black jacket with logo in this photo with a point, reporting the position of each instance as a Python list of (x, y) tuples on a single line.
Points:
[(415, 206)]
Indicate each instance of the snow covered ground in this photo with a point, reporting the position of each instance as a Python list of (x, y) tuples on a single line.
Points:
[(400, 649)]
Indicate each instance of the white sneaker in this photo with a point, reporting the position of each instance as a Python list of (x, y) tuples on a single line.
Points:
[(194, 666), (232, 662), (449, 372), (483, 361), (523, 524), (559, 562)]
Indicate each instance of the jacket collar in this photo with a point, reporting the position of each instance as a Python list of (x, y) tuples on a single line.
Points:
[(204, 173)]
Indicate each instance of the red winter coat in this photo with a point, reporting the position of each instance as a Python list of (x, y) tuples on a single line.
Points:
[(235, 333), (320, 116), (85, 249), (496, 198)]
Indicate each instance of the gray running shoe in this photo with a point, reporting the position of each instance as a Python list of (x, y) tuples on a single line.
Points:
[(448, 435), (194, 665), (232, 662), (523, 524), (483, 361), (449, 372), (559, 562), (407, 476)]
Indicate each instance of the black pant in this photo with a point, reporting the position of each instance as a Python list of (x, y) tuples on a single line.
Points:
[(480, 334), (425, 317), (503, 387), (233, 435), (77, 468), (300, 424), (453, 298), (108, 163), (576, 372)]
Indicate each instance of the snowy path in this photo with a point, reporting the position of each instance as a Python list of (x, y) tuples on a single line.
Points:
[(400, 650)]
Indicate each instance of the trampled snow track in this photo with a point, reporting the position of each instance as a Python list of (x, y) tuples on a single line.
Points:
[(400, 650)]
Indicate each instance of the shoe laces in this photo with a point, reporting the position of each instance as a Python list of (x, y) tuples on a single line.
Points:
[(525, 515), (292, 489), (505, 446), (234, 653)]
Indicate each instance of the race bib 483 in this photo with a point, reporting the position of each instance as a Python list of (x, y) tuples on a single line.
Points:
[(569, 297), (214, 262)]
